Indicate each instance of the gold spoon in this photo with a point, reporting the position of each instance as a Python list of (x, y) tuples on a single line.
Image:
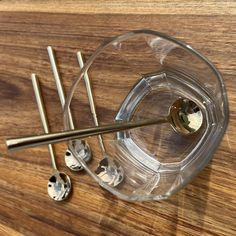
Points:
[(184, 116)]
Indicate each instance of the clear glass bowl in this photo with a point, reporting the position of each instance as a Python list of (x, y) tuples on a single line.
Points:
[(138, 75)]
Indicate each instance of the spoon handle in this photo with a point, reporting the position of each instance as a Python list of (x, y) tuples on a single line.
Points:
[(42, 112), (90, 98), (57, 78), (32, 141)]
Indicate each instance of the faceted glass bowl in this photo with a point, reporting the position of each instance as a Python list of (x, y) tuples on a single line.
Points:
[(139, 75)]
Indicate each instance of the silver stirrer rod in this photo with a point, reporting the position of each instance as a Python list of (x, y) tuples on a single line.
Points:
[(58, 83), (39, 100), (32, 141), (90, 98)]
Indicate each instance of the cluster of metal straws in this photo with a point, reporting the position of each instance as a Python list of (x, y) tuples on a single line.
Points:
[(184, 116)]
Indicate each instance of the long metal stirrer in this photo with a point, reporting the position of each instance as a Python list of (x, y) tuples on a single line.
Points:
[(42, 113), (71, 161), (184, 116), (90, 98), (32, 141)]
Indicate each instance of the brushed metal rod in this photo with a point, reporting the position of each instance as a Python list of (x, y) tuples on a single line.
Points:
[(90, 98), (58, 83), (42, 113), (32, 141)]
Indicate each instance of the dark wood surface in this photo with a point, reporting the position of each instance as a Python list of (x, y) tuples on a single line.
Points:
[(207, 206)]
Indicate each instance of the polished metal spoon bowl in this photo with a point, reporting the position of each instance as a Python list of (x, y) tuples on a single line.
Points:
[(185, 116)]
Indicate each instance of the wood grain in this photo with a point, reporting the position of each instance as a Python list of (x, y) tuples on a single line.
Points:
[(160, 7), (206, 206)]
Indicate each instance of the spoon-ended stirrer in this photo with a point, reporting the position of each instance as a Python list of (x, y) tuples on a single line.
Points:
[(108, 170), (83, 149), (59, 184), (184, 116)]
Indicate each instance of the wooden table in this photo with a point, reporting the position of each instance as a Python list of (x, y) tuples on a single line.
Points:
[(207, 206)]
